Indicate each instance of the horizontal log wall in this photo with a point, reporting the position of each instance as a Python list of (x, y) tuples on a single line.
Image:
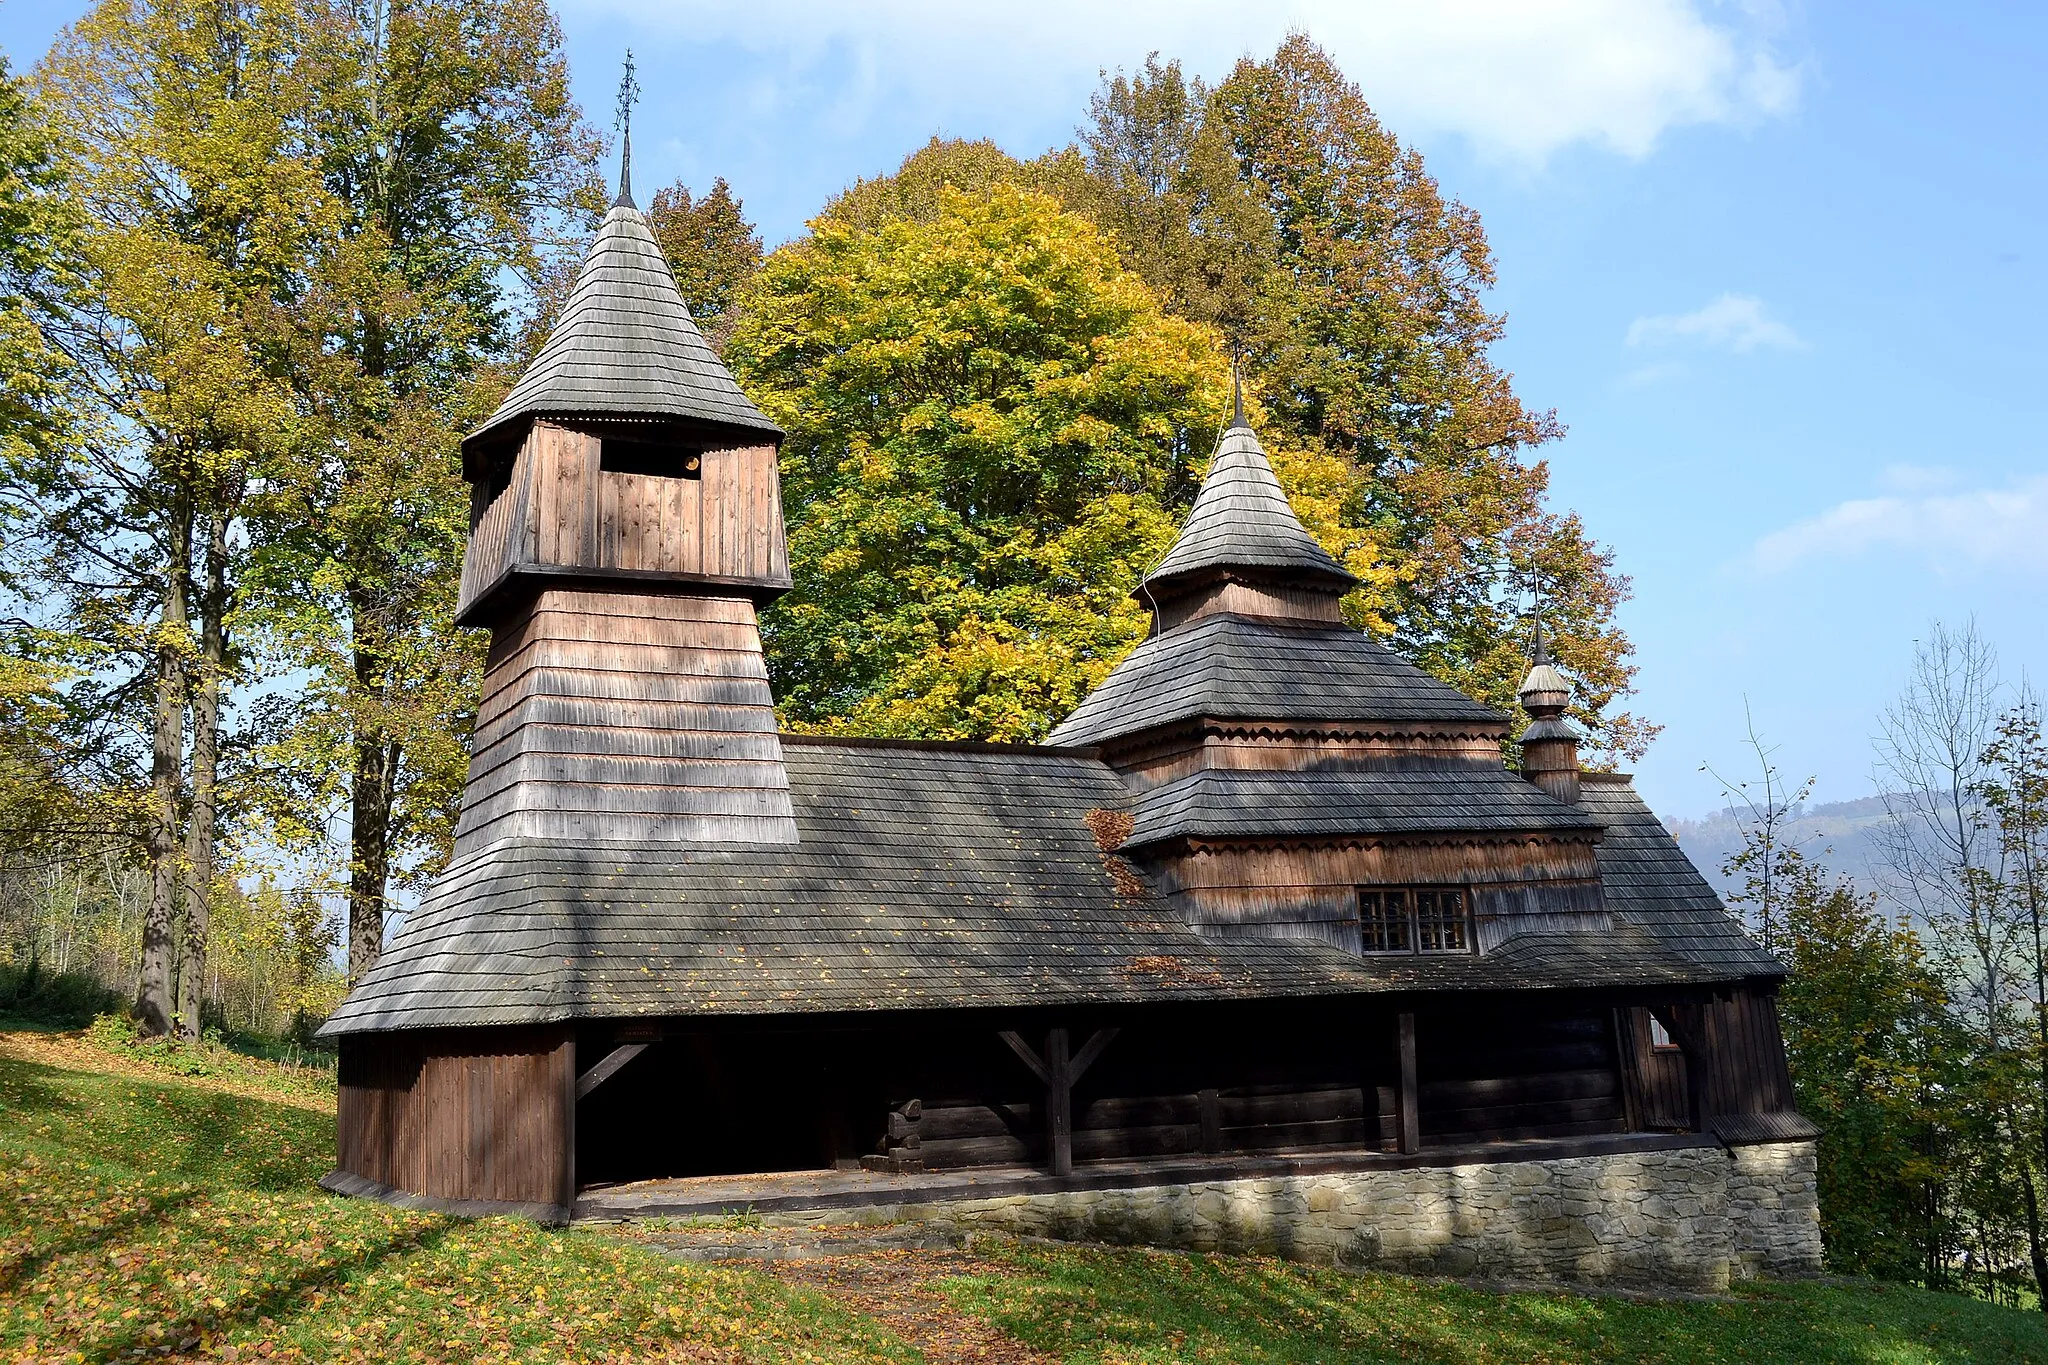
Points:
[(1492, 1075), (483, 1114)]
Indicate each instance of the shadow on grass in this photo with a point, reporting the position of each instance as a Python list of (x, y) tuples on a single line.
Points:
[(185, 1134), (277, 1302)]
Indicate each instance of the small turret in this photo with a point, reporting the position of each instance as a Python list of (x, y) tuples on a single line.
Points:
[(1550, 746)]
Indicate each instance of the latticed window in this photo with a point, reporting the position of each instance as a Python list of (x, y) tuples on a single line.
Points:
[(1440, 921), (1383, 920), (1413, 919)]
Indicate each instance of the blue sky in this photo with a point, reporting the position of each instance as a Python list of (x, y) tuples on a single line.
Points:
[(1778, 267)]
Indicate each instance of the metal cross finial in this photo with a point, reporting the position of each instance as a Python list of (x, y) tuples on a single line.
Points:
[(629, 95), (1237, 387), (1541, 654)]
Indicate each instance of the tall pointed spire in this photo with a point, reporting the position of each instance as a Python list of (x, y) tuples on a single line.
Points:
[(1242, 521), (1237, 392), (629, 95), (625, 345)]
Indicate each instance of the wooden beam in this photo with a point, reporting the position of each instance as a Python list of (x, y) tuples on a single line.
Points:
[(1091, 1050), (1408, 1099), (608, 1067), (1026, 1054), (1210, 1106), (1059, 1102)]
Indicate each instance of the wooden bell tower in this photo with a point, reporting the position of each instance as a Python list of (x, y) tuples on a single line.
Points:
[(625, 527)]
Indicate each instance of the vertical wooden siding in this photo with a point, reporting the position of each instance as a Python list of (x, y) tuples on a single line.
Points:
[(500, 532), (1655, 1080), (1736, 1043), (461, 1114), (725, 524), (1746, 1073)]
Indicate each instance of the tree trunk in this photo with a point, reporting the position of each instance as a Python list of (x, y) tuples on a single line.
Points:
[(2035, 1250), (372, 787), (199, 834), (153, 1002)]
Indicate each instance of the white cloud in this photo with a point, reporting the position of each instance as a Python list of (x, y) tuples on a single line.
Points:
[(1972, 529), (1733, 322), (1649, 376), (1520, 79)]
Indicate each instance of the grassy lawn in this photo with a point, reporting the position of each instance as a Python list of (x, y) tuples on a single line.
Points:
[(141, 1210), (174, 1215), (1125, 1307)]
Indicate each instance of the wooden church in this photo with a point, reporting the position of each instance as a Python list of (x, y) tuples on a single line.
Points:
[(1269, 892)]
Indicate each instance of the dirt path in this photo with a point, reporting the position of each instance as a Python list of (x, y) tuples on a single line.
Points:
[(899, 1290)]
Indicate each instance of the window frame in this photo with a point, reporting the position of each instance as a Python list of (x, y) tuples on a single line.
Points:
[(1412, 929)]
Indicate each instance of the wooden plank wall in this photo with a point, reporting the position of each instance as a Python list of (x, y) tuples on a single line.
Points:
[(1654, 1080), (725, 524), (626, 716), (1746, 1072), (484, 1114), (1311, 890), (1283, 748), (1238, 598), (500, 532)]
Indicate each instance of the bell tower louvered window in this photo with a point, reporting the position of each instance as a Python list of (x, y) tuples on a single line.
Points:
[(1413, 919)]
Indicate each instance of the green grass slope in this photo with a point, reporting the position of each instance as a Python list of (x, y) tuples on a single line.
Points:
[(176, 1218)]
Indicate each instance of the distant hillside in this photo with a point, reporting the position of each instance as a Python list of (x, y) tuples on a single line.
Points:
[(1837, 833)]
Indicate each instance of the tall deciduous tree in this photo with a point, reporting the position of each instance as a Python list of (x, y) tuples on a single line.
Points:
[(2014, 790), (445, 132), (1874, 1058), (712, 249), (1279, 206), (182, 124), (992, 430)]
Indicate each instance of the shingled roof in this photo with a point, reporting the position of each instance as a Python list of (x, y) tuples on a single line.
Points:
[(1649, 881), (929, 877), (1241, 519), (1237, 803), (1248, 668), (625, 345)]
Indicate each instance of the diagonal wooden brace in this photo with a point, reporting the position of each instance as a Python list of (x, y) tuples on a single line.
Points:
[(609, 1067)]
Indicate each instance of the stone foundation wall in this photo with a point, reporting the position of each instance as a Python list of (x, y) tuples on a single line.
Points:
[(1774, 1209), (1690, 1218)]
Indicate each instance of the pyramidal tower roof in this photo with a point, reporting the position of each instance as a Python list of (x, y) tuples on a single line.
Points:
[(1241, 520), (625, 345)]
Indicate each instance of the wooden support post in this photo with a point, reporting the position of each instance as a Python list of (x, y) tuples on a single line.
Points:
[(1059, 1102), (1058, 1069), (1408, 1099), (1211, 1105), (608, 1067)]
